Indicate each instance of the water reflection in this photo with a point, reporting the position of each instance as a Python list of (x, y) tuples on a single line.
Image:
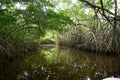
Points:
[(60, 63)]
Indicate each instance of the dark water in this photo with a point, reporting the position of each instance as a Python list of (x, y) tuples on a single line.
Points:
[(60, 63)]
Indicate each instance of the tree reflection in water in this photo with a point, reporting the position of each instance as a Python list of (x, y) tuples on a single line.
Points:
[(61, 63)]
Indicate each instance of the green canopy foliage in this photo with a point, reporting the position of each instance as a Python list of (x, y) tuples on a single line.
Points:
[(28, 19), (94, 22)]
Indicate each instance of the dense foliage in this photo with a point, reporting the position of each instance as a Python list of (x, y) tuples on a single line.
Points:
[(96, 26), (30, 19), (27, 21), (91, 24)]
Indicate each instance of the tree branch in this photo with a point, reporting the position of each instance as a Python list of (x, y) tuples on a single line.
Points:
[(115, 15), (95, 6), (103, 12), (19, 29)]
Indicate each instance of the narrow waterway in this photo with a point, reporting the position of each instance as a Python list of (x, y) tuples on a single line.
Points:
[(60, 63)]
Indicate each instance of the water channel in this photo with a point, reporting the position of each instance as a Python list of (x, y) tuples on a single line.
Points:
[(60, 63)]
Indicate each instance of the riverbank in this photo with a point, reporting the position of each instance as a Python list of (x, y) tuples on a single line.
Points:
[(11, 47), (85, 48)]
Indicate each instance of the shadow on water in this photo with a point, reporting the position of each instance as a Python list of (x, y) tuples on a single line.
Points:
[(60, 63)]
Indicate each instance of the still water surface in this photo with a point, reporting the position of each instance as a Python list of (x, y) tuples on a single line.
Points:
[(60, 63)]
